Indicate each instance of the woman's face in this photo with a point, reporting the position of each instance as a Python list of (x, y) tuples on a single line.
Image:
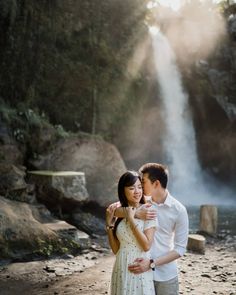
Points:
[(134, 193)]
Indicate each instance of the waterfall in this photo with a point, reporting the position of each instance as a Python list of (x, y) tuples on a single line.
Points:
[(186, 176)]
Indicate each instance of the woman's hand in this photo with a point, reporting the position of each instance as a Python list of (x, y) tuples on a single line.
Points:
[(114, 205), (110, 218), (130, 212)]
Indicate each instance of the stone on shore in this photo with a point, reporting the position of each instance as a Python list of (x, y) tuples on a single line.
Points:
[(196, 243)]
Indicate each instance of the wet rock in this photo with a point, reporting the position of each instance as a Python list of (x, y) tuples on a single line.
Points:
[(49, 269)]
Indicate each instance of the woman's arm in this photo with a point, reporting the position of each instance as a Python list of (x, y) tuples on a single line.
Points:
[(113, 241), (110, 220), (144, 213), (145, 238)]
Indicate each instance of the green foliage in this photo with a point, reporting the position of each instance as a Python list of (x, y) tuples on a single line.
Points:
[(23, 121), (44, 248), (61, 133), (227, 7), (56, 53), (60, 246)]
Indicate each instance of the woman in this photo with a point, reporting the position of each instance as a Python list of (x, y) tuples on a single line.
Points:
[(129, 239)]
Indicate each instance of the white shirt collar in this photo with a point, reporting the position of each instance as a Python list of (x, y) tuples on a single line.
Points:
[(168, 201)]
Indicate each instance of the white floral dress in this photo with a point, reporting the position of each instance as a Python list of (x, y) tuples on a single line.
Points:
[(123, 282)]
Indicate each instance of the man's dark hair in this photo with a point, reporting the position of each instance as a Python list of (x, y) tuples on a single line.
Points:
[(155, 172)]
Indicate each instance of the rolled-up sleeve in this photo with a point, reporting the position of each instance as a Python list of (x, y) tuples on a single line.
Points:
[(181, 232)]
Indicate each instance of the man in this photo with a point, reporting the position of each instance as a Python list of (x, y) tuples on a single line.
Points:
[(171, 236)]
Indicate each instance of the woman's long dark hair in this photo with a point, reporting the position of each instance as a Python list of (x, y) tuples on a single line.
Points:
[(127, 179)]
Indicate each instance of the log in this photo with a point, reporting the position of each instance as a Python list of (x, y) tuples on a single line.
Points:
[(196, 243), (208, 219)]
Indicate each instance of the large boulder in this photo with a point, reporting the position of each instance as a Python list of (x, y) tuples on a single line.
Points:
[(59, 190), (99, 160), (20, 232), (28, 230)]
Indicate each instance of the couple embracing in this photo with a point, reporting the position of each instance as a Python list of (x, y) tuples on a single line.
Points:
[(147, 238)]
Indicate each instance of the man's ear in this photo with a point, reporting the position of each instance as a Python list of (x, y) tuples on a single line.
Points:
[(157, 183)]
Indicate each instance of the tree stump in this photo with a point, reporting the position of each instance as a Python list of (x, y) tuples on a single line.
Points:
[(196, 243), (208, 219)]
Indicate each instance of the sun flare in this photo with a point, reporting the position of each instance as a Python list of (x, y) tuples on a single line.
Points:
[(174, 4)]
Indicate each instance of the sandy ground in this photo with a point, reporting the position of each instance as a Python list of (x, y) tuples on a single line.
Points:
[(89, 274)]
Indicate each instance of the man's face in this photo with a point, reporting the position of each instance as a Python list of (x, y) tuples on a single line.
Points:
[(147, 185)]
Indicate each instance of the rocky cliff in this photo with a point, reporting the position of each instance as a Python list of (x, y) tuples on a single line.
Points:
[(212, 87)]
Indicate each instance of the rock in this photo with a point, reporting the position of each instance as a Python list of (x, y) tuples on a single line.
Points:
[(99, 160), (12, 182), (20, 232), (196, 243), (9, 153), (66, 230), (89, 223), (205, 275), (232, 26), (61, 189), (42, 138), (211, 88), (208, 219), (41, 213), (228, 107)]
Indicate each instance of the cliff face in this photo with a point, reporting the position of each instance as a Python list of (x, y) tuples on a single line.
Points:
[(211, 84)]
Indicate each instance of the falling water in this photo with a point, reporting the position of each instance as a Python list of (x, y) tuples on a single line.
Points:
[(186, 176)]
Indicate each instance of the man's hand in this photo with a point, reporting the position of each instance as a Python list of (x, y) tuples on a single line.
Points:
[(140, 265), (145, 213)]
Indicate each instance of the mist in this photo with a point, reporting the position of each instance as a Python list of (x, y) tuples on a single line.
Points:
[(194, 31)]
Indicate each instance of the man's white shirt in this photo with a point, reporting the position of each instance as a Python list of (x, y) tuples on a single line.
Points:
[(171, 234)]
